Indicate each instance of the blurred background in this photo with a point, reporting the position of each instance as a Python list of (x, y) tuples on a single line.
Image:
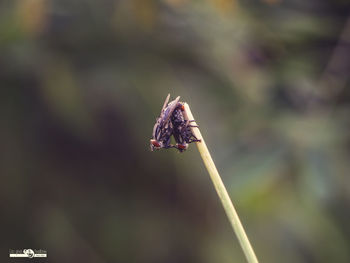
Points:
[(82, 83)]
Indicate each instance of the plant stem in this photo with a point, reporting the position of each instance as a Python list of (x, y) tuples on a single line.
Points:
[(222, 192)]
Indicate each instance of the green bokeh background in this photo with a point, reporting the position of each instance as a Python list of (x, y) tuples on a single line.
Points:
[(82, 83)]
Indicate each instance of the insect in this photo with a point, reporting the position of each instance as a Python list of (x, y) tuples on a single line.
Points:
[(182, 128), (163, 128), (172, 122)]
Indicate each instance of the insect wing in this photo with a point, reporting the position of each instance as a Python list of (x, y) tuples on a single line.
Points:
[(165, 103), (158, 126), (168, 111)]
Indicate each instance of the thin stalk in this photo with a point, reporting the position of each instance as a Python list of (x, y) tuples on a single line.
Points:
[(222, 192)]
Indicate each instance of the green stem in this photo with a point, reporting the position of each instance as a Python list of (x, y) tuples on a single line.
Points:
[(222, 192)]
